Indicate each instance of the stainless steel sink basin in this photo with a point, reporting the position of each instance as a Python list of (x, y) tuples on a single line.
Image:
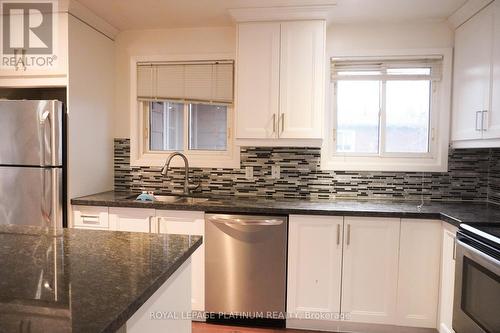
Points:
[(175, 199)]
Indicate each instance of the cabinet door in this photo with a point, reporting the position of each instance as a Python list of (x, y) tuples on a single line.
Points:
[(370, 269), (314, 264), (257, 80), (131, 219), (302, 79), (447, 279), (53, 64), (472, 73), (419, 266), (493, 119), (188, 223)]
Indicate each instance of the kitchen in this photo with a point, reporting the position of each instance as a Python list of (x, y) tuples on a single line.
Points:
[(250, 166)]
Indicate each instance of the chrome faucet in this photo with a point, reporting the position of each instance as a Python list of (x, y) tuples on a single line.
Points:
[(187, 186)]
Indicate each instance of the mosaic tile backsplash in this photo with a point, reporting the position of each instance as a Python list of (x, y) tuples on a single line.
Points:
[(473, 175)]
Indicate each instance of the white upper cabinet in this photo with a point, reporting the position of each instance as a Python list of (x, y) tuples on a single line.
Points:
[(314, 264), (25, 64), (257, 76), (476, 112), (370, 269), (418, 281), (280, 80), (493, 119), (302, 79)]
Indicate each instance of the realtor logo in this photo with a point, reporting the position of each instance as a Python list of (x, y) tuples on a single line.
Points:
[(27, 26)]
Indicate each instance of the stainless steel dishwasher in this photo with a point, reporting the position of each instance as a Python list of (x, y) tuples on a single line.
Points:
[(245, 269)]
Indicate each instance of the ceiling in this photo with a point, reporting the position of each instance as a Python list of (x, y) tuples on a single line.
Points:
[(158, 14)]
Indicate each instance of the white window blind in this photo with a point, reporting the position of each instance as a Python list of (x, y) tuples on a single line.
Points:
[(395, 68), (203, 81)]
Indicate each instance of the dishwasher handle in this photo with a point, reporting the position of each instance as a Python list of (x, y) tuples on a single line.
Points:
[(251, 220)]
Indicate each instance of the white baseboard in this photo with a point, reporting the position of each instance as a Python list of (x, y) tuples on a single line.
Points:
[(350, 327), (445, 329)]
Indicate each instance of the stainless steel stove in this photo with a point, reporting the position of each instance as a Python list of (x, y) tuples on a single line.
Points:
[(476, 306)]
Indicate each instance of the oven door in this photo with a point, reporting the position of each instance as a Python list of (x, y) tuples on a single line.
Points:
[(477, 290)]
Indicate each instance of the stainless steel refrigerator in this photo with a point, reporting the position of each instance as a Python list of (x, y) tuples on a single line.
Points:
[(31, 163)]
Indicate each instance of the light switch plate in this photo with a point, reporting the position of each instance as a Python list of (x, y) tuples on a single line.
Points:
[(249, 172), (275, 171)]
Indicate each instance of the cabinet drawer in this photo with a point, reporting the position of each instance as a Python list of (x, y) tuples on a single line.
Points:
[(90, 217)]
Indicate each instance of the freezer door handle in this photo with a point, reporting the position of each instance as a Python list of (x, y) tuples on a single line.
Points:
[(49, 145)]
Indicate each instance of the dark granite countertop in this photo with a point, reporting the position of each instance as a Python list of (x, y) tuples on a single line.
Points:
[(84, 280), (452, 212)]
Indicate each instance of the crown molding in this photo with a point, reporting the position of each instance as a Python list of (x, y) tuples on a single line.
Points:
[(283, 13), (89, 17), (464, 13)]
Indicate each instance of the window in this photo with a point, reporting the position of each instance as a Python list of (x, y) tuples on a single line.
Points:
[(385, 114), (186, 107), (206, 126), (384, 108)]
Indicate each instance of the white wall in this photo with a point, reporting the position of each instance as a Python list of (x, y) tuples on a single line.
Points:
[(169, 43), (90, 107), (344, 38)]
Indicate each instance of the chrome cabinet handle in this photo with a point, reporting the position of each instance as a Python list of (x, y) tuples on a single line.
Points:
[(483, 128), (274, 123), (338, 234), (348, 234), (23, 57), (282, 122), (478, 113), (15, 59)]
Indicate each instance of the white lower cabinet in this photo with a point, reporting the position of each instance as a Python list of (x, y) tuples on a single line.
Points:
[(448, 235), (187, 223), (370, 269), (314, 264), (419, 263), (131, 219)]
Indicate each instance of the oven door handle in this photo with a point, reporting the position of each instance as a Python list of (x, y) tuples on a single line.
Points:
[(490, 260)]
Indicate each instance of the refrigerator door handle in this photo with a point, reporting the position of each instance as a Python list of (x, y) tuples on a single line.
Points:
[(51, 197), (50, 134)]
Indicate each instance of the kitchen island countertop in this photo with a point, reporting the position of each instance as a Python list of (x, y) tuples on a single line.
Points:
[(83, 280)]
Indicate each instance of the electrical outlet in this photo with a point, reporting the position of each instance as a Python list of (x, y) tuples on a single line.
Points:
[(275, 171), (249, 172)]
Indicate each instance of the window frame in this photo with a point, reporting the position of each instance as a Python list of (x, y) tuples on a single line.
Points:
[(139, 127), (436, 160)]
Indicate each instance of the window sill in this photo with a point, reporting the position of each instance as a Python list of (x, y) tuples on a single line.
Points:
[(388, 164)]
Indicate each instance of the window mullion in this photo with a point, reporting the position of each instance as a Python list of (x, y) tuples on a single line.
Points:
[(186, 127), (334, 118), (382, 117)]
